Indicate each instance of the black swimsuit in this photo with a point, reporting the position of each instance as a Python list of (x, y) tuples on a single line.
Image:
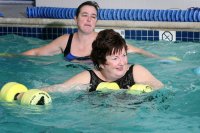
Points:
[(124, 82), (68, 56)]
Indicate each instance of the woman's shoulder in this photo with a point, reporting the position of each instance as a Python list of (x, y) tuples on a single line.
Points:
[(65, 36), (62, 38), (138, 67)]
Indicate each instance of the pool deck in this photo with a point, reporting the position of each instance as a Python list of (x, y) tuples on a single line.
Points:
[(15, 15), (14, 10)]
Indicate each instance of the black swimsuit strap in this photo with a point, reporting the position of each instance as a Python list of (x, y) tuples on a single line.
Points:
[(127, 80), (68, 47), (94, 81)]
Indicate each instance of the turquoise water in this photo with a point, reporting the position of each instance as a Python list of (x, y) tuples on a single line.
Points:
[(173, 109)]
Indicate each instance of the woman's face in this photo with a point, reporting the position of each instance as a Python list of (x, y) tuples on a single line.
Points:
[(87, 19), (116, 64)]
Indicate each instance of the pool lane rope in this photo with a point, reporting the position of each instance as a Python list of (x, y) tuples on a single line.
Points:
[(191, 14)]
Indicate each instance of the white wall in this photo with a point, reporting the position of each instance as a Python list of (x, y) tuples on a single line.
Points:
[(125, 4)]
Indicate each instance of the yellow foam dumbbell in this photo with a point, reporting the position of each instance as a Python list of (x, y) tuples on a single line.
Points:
[(35, 97), (10, 90), (105, 86), (138, 89)]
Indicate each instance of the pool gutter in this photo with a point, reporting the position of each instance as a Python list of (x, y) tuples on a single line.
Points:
[(40, 22)]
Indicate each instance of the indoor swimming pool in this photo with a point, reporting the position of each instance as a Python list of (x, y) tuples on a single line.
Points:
[(172, 109)]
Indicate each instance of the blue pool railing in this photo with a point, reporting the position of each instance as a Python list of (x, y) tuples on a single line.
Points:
[(172, 15)]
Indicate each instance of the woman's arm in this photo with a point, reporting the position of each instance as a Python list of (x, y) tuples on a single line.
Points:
[(81, 78), (141, 51), (55, 47), (143, 76)]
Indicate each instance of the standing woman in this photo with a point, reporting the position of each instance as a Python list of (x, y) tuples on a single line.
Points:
[(71, 45), (78, 46)]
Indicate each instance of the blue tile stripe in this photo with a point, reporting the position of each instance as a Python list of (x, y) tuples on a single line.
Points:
[(52, 33)]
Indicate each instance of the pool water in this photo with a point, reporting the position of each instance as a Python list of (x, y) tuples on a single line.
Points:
[(174, 109)]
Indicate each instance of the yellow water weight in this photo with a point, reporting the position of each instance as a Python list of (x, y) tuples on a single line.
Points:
[(10, 90), (28, 97), (36, 97), (136, 89), (6, 55), (174, 58), (139, 89), (103, 86)]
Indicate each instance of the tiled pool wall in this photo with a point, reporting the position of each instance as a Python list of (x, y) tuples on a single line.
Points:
[(148, 35)]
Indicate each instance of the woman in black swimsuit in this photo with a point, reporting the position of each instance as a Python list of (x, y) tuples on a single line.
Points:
[(109, 56), (78, 46)]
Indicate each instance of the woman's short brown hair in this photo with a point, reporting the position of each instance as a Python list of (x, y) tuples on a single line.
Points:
[(107, 42)]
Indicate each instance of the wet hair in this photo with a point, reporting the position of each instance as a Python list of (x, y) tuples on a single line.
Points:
[(87, 3), (108, 42)]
